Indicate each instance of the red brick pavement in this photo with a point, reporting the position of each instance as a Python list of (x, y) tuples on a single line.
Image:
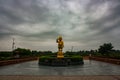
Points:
[(108, 77)]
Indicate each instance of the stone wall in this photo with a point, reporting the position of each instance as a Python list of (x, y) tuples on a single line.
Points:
[(14, 61), (109, 60), (66, 61)]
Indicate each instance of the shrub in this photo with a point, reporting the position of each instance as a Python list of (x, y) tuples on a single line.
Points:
[(5, 54), (43, 58), (76, 58)]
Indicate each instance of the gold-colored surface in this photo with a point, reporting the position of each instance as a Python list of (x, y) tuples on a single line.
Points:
[(60, 54), (60, 47)]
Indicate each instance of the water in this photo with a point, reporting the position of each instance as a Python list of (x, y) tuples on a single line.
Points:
[(89, 68)]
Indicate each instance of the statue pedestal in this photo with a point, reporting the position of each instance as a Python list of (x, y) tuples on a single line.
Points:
[(60, 54)]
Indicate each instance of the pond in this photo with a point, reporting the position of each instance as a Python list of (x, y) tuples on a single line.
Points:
[(90, 67)]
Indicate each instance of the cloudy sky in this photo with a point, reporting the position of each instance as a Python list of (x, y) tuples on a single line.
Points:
[(35, 24)]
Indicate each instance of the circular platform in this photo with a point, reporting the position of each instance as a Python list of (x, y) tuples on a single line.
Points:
[(66, 61)]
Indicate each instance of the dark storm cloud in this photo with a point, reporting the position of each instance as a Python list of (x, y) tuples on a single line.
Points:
[(42, 36), (113, 16), (16, 12)]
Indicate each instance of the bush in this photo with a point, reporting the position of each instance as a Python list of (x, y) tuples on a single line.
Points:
[(114, 55), (76, 58), (5, 54), (43, 58), (6, 58)]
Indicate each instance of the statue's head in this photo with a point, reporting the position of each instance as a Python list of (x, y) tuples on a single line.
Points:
[(60, 37)]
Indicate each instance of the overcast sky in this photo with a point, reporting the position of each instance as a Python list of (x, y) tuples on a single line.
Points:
[(35, 24)]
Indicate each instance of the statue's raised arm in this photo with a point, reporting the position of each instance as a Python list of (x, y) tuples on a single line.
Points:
[(60, 43)]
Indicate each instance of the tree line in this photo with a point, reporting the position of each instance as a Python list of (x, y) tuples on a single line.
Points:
[(105, 50)]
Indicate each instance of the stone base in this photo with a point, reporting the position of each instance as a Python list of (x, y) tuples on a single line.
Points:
[(60, 55), (66, 61)]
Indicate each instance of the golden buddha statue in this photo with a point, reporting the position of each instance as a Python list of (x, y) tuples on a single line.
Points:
[(60, 47)]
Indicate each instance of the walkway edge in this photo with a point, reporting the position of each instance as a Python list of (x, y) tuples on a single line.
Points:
[(15, 61), (28, 77)]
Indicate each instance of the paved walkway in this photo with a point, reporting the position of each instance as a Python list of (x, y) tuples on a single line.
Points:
[(60, 77)]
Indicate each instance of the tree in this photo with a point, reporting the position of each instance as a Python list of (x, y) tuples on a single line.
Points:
[(105, 49), (23, 52)]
